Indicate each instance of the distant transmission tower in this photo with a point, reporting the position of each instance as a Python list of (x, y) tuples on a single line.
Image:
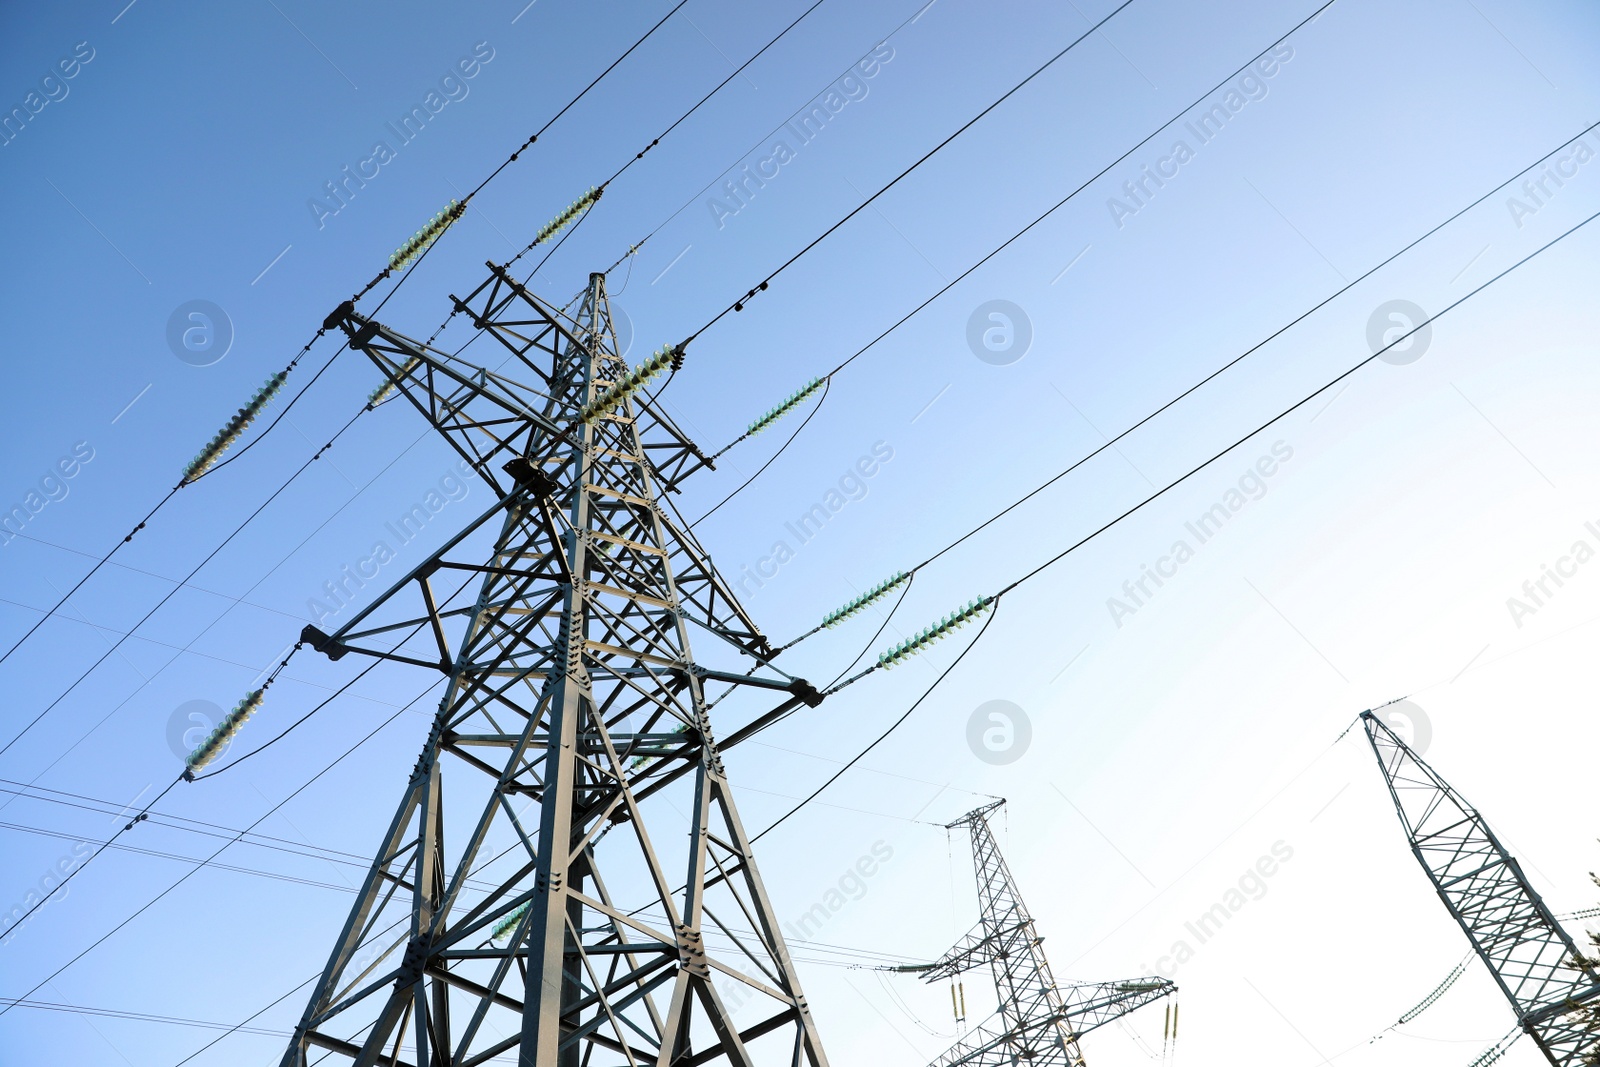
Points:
[(1533, 960), (1040, 1023), (566, 872)]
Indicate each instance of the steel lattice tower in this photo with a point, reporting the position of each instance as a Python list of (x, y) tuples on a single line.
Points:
[(590, 875), (1531, 957), (1040, 1022)]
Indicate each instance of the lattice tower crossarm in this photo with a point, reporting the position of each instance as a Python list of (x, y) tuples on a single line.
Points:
[(589, 895), (1530, 956), (1039, 1022)]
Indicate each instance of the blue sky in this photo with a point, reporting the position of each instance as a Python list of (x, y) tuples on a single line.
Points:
[(1171, 747)]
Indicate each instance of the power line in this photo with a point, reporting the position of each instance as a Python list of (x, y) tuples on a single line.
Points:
[(243, 1027), (139, 1016), (1036, 571), (1274, 335), (108, 843), (634, 249), (1295, 406), (198, 826), (63, 835), (738, 305), (144, 814), (92, 571), (828, 377), (585, 92), (732, 75), (135, 570)]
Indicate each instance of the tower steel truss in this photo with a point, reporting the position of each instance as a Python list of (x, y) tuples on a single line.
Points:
[(1533, 960), (589, 891), (1039, 1022)]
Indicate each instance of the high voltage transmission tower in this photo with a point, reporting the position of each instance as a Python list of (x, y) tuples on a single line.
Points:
[(1534, 961), (589, 875), (1040, 1022)]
